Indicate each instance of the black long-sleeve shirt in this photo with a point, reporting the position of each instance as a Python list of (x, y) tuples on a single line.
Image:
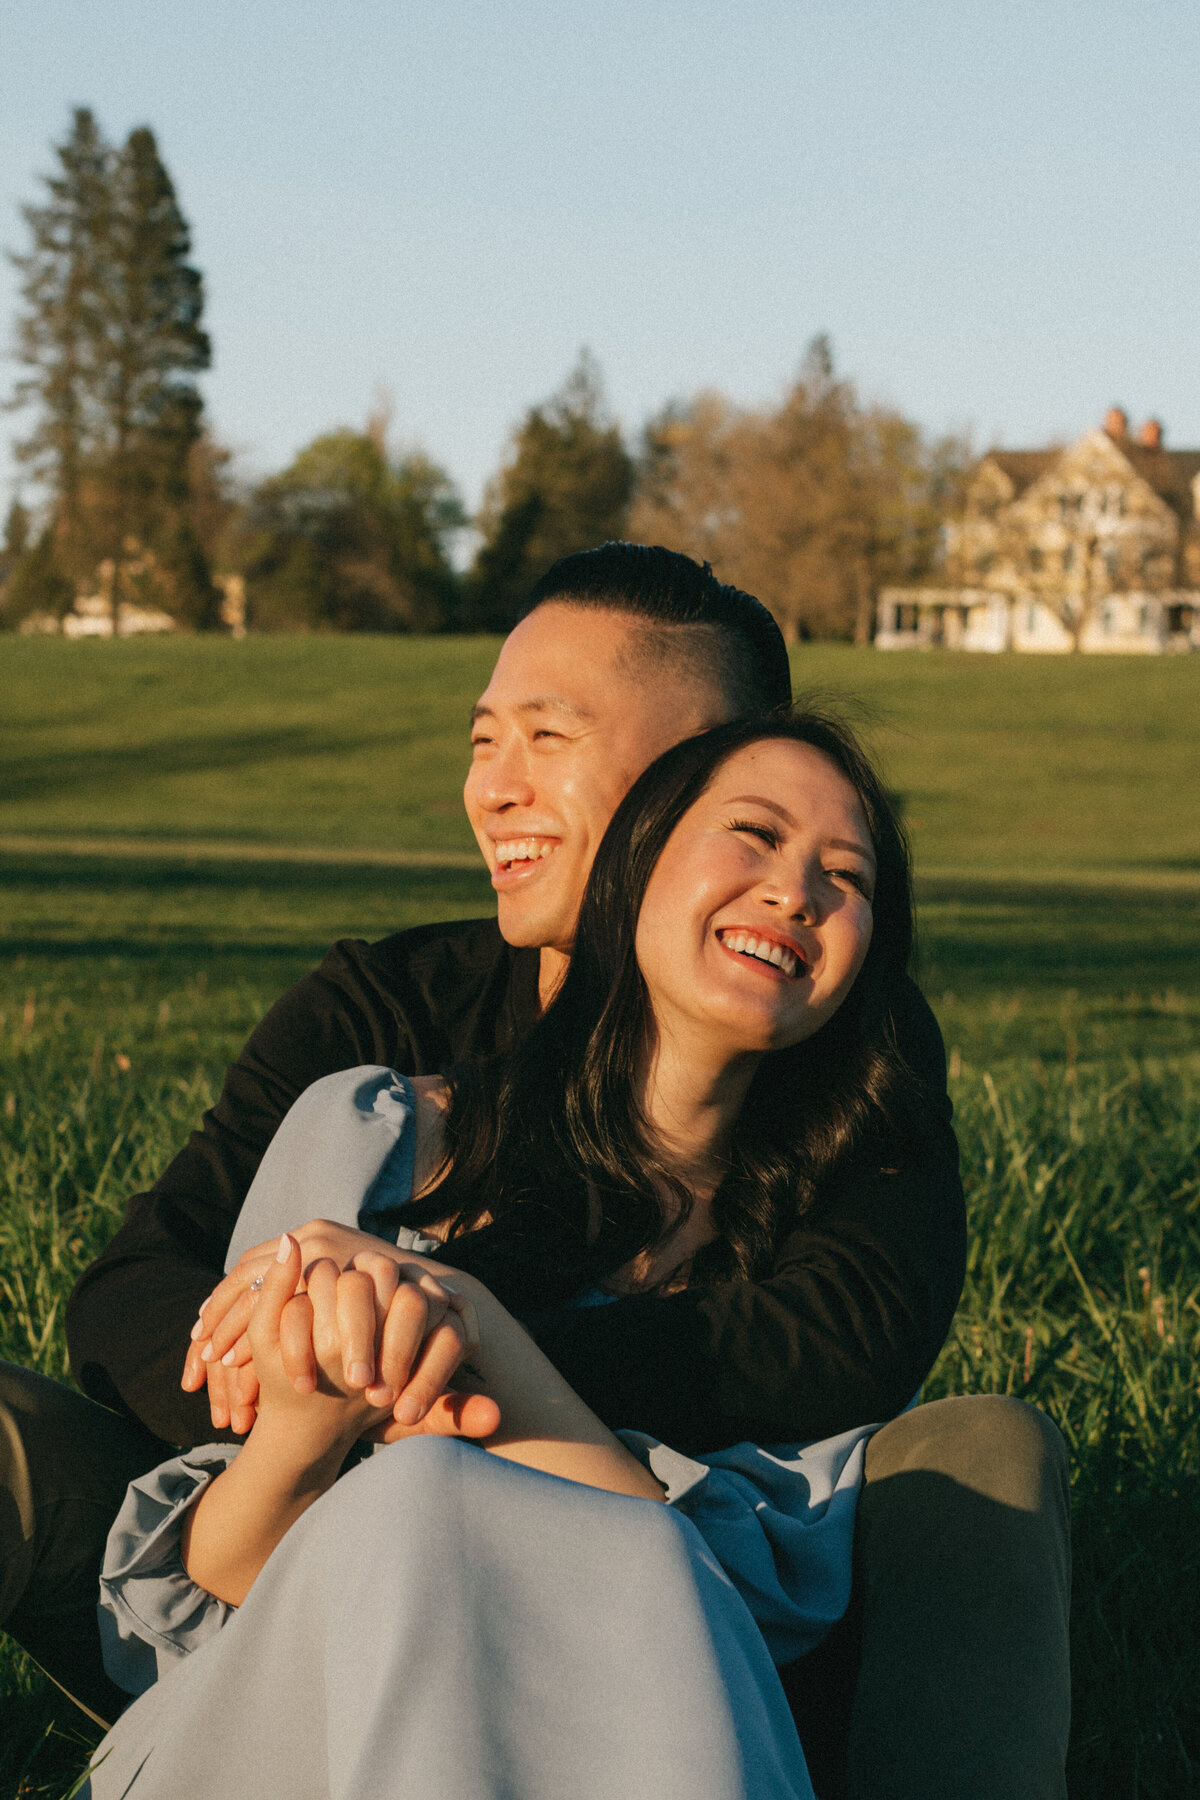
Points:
[(842, 1332)]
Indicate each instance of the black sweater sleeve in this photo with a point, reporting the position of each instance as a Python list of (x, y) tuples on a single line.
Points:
[(130, 1314), (842, 1333)]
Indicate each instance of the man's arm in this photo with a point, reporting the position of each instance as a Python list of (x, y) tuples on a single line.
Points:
[(842, 1333), (129, 1317)]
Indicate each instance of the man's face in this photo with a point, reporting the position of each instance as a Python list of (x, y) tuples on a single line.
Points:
[(560, 734)]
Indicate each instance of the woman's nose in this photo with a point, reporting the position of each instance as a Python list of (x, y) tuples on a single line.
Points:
[(795, 892)]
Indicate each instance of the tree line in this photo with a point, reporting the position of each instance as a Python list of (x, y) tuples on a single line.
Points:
[(811, 503)]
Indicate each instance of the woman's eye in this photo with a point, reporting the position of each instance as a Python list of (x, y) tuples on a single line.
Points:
[(856, 878), (766, 833)]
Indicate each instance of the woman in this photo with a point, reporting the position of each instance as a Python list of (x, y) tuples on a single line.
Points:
[(534, 1620)]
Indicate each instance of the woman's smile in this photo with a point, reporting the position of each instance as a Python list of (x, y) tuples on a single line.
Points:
[(769, 953), (757, 917)]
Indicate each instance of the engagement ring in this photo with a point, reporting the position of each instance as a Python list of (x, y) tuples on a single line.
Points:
[(257, 1283)]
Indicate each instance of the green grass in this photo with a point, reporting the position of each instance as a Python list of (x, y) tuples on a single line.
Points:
[(1016, 764), (1063, 964)]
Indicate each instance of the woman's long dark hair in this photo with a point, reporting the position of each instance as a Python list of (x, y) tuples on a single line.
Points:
[(562, 1109)]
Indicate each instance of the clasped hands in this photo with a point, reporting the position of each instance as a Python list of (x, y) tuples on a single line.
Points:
[(360, 1318)]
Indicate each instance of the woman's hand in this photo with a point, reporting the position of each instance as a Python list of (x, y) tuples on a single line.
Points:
[(221, 1352), (308, 1420), (303, 1429)]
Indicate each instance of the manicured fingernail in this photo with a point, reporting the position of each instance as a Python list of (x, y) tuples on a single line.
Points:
[(409, 1411), (227, 1359), (304, 1384), (360, 1374), (206, 1353), (384, 1396), (197, 1330), (285, 1248)]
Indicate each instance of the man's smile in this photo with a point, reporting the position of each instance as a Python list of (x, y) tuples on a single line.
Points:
[(518, 857)]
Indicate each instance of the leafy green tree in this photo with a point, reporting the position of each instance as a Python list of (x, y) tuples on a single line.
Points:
[(566, 486), (110, 339), (347, 540)]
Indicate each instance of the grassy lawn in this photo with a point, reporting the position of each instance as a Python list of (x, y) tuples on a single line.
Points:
[(164, 812)]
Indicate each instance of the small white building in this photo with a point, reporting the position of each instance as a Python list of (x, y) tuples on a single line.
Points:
[(91, 616), (1095, 547)]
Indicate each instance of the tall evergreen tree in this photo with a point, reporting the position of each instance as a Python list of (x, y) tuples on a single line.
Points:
[(111, 338), (150, 310), (566, 486), (58, 332)]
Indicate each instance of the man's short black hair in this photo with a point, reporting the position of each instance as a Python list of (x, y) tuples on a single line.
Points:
[(716, 630)]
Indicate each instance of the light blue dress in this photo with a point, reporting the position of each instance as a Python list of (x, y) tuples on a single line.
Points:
[(452, 1626)]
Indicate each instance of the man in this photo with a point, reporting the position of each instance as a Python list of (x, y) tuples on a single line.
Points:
[(622, 652)]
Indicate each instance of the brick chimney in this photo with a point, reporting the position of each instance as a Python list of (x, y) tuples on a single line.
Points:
[(1116, 422), (1151, 435)]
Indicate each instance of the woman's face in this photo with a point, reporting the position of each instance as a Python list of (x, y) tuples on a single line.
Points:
[(757, 917)]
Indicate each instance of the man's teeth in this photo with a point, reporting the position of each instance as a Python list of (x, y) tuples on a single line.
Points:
[(522, 850), (763, 948)]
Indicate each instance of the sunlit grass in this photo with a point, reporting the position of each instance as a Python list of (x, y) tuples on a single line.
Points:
[(1053, 805), (1083, 1292)]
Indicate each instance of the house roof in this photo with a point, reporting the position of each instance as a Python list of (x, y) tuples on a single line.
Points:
[(1169, 472), (1023, 467)]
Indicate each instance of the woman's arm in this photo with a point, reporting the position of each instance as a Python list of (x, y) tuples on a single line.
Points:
[(306, 1424), (300, 1439), (543, 1422)]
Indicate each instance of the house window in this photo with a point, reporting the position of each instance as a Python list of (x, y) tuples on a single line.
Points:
[(906, 618), (1108, 620), (1031, 617), (1179, 618)]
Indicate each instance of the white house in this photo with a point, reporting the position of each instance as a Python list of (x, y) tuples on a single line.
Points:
[(1095, 547)]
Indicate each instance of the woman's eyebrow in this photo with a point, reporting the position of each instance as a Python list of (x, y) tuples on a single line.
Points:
[(781, 812)]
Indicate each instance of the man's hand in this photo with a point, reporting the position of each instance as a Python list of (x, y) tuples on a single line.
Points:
[(434, 1323)]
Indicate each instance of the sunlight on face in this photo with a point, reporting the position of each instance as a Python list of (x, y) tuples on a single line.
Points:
[(561, 733), (757, 917)]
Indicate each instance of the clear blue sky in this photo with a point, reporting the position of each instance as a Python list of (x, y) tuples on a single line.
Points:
[(992, 207)]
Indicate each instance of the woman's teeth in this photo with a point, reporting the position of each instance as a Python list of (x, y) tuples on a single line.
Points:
[(522, 850), (763, 949)]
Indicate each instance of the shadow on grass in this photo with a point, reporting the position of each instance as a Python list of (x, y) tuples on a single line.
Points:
[(106, 766), (981, 935)]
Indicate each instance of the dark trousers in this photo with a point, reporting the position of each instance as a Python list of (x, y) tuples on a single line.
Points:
[(949, 1679), (64, 1466)]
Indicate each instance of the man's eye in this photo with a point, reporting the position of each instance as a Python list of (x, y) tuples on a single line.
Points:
[(542, 733), (479, 742)]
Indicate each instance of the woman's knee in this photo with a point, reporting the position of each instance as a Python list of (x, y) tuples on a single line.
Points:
[(418, 1474)]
